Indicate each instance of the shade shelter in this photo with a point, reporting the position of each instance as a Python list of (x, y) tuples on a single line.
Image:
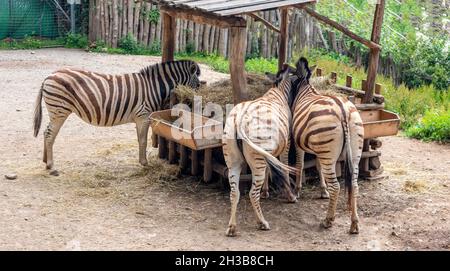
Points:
[(232, 14)]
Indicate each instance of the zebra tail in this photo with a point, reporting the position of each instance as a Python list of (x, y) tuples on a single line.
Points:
[(38, 113), (348, 162), (276, 167)]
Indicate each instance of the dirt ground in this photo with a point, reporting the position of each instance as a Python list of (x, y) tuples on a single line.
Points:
[(104, 200)]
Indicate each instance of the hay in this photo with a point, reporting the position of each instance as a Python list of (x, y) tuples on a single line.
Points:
[(221, 92), (415, 186)]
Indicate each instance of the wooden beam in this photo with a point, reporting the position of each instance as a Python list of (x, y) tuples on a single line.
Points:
[(379, 99), (374, 56), (343, 29), (282, 50), (168, 39), (238, 41), (204, 17), (264, 21)]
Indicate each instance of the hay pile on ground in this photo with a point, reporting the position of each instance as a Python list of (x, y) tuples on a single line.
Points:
[(221, 92)]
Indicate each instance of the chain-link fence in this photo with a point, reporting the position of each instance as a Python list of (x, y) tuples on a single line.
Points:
[(37, 19)]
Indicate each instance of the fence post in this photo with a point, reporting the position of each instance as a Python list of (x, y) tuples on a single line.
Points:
[(72, 16)]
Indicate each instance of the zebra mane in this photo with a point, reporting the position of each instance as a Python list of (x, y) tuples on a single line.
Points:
[(147, 69)]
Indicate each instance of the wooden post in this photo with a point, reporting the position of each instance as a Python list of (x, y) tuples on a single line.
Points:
[(154, 140), (238, 43), (183, 158), (194, 163), (349, 81), (168, 39), (172, 152), (333, 77), (374, 53), (162, 150), (318, 72), (282, 50), (378, 88), (207, 166)]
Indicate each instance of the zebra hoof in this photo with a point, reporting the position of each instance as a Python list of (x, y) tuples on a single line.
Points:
[(54, 173), (327, 223), (264, 226), (265, 195), (324, 195), (354, 228), (292, 199), (231, 231), (144, 163)]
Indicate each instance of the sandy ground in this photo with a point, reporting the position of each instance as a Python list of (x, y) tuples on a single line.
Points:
[(105, 200)]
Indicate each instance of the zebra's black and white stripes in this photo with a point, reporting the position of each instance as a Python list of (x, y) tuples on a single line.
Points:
[(327, 127), (263, 125), (109, 100)]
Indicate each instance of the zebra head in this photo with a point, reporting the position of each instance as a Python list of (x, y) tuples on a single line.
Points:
[(286, 81), (190, 74)]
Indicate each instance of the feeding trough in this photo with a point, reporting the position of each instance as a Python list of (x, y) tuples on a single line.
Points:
[(379, 123), (187, 129)]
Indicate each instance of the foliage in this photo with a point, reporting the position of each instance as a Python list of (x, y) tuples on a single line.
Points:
[(413, 36), (435, 125), (129, 44), (30, 42), (76, 41)]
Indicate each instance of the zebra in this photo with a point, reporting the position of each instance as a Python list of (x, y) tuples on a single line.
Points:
[(327, 127), (263, 125), (109, 100)]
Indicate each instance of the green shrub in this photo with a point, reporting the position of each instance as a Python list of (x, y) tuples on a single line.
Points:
[(190, 48), (129, 44), (76, 41), (155, 48), (435, 125), (30, 43), (261, 65)]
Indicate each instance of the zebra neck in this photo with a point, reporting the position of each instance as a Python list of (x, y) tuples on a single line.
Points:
[(306, 91)]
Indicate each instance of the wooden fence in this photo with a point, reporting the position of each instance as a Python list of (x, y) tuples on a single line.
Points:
[(111, 20)]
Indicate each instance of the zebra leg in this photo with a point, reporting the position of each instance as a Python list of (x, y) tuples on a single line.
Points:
[(299, 160), (329, 173), (284, 158), (265, 189), (142, 126), (356, 141), (49, 139), (235, 163), (258, 167), (323, 186)]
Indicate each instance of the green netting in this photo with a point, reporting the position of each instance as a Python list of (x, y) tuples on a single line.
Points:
[(20, 18)]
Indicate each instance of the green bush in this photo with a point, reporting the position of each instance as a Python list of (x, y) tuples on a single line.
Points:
[(76, 41), (30, 43), (155, 48), (261, 65), (435, 125), (130, 45)]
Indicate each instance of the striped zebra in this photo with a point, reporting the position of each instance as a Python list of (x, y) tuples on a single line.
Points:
[(110, 100), (263, 127), (327, 127)]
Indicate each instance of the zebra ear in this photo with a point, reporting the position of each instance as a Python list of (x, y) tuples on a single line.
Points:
[(193, 69), (272, 77), (303, 71)]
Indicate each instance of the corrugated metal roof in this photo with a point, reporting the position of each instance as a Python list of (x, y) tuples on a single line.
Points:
[(233, 7)]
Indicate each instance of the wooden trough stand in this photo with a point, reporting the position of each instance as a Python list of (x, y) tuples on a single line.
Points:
[(199, 146), (194, 153)]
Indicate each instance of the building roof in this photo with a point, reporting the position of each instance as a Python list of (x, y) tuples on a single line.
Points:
[(232, 7)]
